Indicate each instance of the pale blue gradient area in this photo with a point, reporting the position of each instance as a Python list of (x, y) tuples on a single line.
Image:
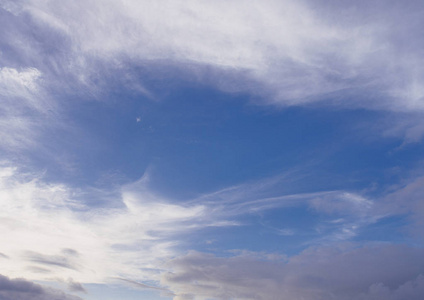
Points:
[(198, 140), (108, 291), (113, 292)]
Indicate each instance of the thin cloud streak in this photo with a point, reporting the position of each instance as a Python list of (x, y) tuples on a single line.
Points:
[(140, 285)]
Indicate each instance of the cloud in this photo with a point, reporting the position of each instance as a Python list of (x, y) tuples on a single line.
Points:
[(46, 233), (281, 53), (287, 52), (272, 50), (20, 85), (74, 286), (342, 214), (343, 272), (50, 260), (22, 100), (407, 199), (139, 285), (21, 289), (413, 289), (49, 232)]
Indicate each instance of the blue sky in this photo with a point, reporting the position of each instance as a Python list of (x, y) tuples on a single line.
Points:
[(211, 150)]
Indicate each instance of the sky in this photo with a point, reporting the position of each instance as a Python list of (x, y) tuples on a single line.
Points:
[(199, 150)]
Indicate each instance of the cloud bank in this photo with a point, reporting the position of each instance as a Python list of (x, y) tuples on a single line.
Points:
[(345, 272)]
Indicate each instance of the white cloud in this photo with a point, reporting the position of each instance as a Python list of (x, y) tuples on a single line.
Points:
[(21, 100), (342, 214), (286, 52), (47, 232), (294, 52), (20, 84), (44, 232), (343, 203)]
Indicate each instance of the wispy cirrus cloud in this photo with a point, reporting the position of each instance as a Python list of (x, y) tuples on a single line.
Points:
[(277, 48), (22, 102), (342, 214), (79, 51)]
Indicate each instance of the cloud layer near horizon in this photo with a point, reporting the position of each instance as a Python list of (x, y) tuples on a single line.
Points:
[(38, 219), (345, 272)]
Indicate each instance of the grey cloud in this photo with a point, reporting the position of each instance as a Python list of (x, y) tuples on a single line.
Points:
[(407, 200), (406, 126), (21, 289), (39, 270), (70, 252), (74, 286), (411, 128), (2, 255), (64, 261), (140, 285), (411, 290), (342, 273)]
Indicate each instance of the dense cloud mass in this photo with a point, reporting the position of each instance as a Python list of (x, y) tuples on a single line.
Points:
[(21, 289), (344, 272)]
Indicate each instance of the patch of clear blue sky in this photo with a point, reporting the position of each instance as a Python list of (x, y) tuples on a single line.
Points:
[(391, 229), (197, 140)]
